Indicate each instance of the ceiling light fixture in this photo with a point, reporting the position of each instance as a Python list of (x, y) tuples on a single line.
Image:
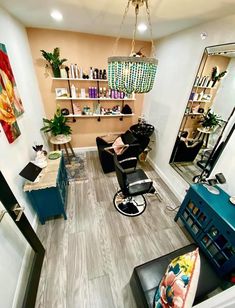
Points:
[(135, 73), (56, 15), (142, 27), (203, 35)]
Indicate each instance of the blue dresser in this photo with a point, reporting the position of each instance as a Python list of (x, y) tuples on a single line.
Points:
[(210, 220), (49, 196)]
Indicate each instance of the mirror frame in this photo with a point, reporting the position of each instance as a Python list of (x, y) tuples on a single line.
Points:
[(205, 55)]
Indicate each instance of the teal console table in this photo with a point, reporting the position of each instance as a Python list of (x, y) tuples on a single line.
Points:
[(49, 196), (210, 220)]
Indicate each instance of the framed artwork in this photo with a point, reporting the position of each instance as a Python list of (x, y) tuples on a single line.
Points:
[(61, 92), (10, 103)]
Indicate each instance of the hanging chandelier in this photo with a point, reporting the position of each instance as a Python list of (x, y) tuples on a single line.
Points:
[(136, 73)]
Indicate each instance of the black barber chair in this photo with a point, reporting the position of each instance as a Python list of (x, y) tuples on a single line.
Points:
[(134, 183)]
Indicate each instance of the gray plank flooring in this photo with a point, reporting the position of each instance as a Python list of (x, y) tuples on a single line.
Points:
[(90, 257)]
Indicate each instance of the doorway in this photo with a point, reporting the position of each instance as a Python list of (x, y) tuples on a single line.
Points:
[(21, 253)]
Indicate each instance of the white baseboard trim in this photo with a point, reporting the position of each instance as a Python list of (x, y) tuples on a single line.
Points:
[(164, 178), (85, 149)]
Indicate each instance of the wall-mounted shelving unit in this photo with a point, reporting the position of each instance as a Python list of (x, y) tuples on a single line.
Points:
[(192, 116), (97, 99)]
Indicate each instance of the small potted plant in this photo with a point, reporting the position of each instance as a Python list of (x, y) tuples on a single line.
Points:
[(211, 120), (53, 58), (57, 126), (215, 76)]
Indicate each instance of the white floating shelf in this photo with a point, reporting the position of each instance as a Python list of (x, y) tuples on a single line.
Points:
[(203, 87), (93, 99), (200, 101), (98, 115), (193, 114), (79, 79)]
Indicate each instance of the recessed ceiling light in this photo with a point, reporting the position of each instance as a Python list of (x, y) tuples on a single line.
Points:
[(56, 15), (142, 27)]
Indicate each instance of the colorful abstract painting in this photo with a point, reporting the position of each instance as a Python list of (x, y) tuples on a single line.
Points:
[(10, 102)]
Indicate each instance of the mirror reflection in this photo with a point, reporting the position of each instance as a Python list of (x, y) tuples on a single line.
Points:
[(202, 135)]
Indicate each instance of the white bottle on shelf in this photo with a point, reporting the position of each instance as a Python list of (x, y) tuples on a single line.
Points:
[(91, 73), (75, 71), (73, 91), (72, 75), (81, 72)]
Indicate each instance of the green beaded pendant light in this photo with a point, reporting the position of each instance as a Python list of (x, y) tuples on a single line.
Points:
[(136, 73)]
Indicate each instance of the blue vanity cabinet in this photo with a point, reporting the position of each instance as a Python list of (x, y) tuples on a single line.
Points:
[(49, 196), (210, 220)]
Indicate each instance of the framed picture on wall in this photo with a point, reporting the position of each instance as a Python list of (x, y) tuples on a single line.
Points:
[(10, 103), (61, 92)]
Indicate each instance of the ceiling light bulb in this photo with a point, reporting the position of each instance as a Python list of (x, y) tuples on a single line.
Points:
[(142, 27), (56, 15)]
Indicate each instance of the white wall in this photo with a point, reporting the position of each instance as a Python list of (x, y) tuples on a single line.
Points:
[(16, 155), (225, 299), (179, 57)]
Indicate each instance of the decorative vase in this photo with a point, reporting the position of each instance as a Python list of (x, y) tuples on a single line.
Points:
[(41, 159), (56, 71)]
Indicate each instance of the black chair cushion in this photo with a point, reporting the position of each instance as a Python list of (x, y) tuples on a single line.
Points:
[(146, 277), (138, 189)]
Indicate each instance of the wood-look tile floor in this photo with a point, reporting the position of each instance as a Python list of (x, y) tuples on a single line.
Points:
[(91, 255)]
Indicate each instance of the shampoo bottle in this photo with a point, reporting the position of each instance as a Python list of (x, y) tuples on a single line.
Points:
[(73, 91)]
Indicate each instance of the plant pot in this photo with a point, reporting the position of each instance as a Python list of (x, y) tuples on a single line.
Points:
[(213, 84), (60, 137), (56, 71)]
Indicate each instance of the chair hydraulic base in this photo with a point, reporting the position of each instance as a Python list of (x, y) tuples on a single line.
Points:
[(129, 206)]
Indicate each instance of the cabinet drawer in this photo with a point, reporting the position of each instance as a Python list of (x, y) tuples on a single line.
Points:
[(218, 243), (195, 213)]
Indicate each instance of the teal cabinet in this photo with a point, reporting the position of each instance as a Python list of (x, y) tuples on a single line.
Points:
[(210, 220), (49, 196)]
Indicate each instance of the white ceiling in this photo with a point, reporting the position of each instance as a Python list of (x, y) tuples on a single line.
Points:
[(104, 16)]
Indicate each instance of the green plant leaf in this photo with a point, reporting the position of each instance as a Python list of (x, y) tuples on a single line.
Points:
[(57, 125), (53, 58)]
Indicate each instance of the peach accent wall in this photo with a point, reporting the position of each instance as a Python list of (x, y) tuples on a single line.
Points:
[(87, 51)]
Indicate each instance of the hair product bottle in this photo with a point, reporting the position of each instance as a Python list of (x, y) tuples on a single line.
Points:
[(72, 71), (73, 91), (75, 71)]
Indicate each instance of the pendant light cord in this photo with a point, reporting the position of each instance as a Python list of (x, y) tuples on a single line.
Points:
[(153, 51), (134, 32), (120, 28)]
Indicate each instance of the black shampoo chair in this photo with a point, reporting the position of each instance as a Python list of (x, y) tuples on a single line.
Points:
[(134, 183), (184, 152), (136, 147)]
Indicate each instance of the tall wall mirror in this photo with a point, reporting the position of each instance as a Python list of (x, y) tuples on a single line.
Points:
[(208, 120)]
